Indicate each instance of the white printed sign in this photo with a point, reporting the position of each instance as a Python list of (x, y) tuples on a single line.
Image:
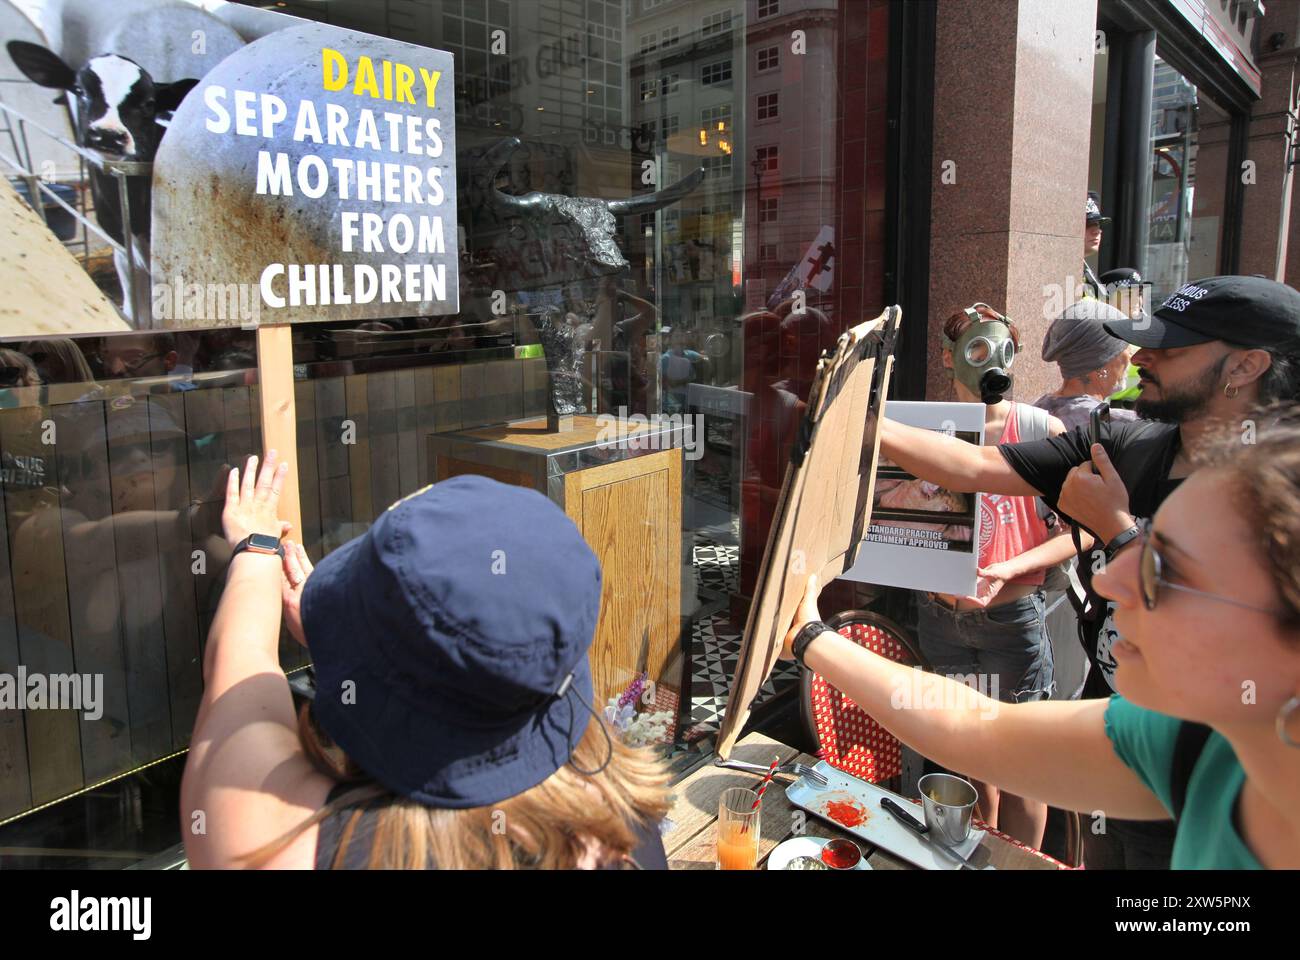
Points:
[(922, 536)]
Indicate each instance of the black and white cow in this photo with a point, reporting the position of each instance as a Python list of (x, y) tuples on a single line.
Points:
[(119, 112)]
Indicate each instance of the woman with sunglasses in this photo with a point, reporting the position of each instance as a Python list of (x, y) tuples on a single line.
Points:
[(1206, 726), (999, 636)]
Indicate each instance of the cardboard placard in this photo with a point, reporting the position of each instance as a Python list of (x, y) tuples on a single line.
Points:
[(825, 502)]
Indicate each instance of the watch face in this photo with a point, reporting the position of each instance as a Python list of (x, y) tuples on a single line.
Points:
[(263, 543)]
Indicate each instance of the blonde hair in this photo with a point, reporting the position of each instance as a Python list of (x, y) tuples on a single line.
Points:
[(67, 353), (12, 358), (547, 827)]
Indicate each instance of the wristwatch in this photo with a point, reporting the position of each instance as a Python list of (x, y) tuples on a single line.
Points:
[(809, 632), (1121, 540), (259, 543)]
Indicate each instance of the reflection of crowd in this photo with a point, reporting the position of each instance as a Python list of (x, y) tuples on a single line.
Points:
[(103, 521), (781, 347), (680, 365), (171, 359)]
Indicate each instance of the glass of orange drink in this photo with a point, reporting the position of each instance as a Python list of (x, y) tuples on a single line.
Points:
[(737, 830)]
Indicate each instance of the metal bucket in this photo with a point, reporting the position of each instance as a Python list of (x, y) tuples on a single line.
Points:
[(949, 804)]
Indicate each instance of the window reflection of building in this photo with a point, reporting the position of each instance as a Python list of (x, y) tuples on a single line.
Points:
[(694, 255), (1189, 144), (1174, 122)]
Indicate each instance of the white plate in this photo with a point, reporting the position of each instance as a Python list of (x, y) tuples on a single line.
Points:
[(784, 852)]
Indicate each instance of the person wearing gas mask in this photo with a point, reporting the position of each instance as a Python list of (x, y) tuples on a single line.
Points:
[(998, 636)]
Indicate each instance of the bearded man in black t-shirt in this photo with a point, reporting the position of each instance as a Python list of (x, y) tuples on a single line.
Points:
[(1214, 353)]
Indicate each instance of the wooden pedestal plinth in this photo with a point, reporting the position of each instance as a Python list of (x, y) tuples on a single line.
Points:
[(622, 487)]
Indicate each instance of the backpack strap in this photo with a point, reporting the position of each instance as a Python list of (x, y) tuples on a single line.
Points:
[(1031, 422), (1187, 750), (1084, 609)]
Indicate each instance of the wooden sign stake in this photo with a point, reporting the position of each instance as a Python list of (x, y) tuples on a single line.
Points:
[(278, 414)]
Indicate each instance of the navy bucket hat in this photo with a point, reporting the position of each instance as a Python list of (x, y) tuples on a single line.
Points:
[(450, 642)]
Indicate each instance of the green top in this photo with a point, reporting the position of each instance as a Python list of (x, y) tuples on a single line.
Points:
[(1207, 837), (1127, 392)]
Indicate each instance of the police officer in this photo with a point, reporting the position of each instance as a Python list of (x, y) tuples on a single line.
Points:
[(1093, 222), (1125, 289)]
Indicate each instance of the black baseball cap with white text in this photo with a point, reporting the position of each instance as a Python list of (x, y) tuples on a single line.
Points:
[(1244, 311)]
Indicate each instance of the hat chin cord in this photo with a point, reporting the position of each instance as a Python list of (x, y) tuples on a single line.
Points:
[(568, 687)]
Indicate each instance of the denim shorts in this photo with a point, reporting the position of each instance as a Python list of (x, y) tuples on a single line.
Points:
[(1007, 646)]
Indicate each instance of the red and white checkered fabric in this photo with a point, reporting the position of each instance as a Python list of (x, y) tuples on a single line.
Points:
[(850, 739), (981, 825), (1023, 846)]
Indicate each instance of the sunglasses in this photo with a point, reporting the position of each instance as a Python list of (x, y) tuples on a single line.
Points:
[(1151, 567), (132, 364)]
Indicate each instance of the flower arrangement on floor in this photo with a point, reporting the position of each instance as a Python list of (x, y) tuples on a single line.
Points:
[(637, 729)]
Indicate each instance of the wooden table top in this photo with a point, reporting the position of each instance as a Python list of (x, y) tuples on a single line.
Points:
[(692, 840)]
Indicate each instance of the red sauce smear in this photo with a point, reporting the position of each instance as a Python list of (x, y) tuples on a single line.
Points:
[(846, 812)]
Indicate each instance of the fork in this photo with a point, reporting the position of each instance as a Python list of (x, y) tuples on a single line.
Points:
[(793, 768)]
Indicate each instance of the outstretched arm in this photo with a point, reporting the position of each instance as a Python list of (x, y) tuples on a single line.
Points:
[(246, 777), (1055, 751), (953, 464)]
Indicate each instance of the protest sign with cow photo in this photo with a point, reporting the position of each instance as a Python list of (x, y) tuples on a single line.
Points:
[(254, 169)]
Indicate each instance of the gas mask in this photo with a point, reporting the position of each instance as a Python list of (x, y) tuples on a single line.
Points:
[(983, 354)]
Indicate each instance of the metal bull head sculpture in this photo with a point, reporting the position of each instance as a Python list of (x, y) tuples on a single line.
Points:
[(541, 240)]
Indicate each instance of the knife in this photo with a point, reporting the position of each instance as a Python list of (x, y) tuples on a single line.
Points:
[(922, 830)]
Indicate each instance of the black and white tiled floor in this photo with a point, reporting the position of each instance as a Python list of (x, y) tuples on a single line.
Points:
[(717, 567), (715, 644)]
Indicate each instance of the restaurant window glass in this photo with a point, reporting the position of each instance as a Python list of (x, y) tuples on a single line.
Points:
[(660, 86), (716, 23), (719, 72), (717, 167), (662, 39), (678, 303), (716, 118), (1190, 138)]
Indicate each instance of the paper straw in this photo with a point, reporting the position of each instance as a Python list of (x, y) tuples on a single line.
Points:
[(762, 787)]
